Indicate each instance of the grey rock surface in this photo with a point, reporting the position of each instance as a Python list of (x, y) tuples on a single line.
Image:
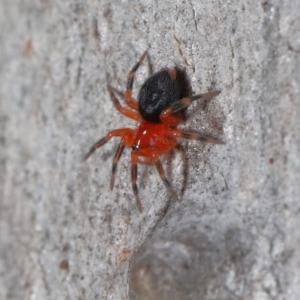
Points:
[(235, 232)]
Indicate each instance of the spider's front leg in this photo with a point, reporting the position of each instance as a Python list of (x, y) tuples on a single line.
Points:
[(126, 133), (150, 161), (115, 162), (134, 161)]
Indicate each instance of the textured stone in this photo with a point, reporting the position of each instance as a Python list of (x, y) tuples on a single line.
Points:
[(65, 235)]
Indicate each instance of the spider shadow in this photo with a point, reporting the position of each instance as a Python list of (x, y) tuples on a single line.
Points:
[(184, 168)]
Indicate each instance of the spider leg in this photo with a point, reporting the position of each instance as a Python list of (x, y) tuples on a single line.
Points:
[(183, 103), (193, 136), (164, 179), (114, 166), (128, 99), (125, 111), (134, 160), (117, 132)]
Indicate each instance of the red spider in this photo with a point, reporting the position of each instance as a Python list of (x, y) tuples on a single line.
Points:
[(157, 112)]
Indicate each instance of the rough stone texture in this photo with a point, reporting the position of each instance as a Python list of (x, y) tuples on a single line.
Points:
[(65, 235)]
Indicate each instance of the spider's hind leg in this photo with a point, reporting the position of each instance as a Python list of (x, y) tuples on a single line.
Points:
[(132, 103), (123, 110), (183, 103), (193, 136)]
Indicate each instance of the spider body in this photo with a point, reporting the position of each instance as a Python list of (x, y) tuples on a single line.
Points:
[(157, 111), (151, 140)]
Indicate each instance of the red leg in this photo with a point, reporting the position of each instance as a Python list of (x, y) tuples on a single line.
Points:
[(193, 136), (166, 115), (127, 133), (164, 179), (125, 111), (114, 166), (134, 160), (130, 79)]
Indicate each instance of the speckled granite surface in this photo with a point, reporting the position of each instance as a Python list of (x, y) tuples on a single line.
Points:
[(235, 233)]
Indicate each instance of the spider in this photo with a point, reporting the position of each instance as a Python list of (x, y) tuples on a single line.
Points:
[(157, 111)]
